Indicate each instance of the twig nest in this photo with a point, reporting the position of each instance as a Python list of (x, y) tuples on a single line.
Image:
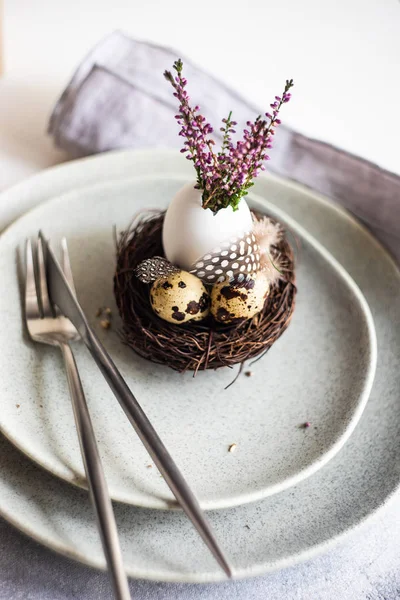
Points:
[(179, 298), (197, 345), (231, 302)]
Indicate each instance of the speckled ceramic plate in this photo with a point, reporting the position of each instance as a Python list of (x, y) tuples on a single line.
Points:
[(277, 531), (320, 371)]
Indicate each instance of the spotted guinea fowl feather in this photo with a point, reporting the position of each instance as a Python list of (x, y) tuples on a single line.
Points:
[(239, 258), (233, 259), (153, 268)]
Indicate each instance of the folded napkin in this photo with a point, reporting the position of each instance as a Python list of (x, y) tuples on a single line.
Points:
[(118, 99)]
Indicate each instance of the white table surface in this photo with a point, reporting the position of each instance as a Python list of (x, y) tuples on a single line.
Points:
[(344, 57)]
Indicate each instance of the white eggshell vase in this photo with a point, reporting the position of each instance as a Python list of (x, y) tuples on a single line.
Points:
[(190, 231)]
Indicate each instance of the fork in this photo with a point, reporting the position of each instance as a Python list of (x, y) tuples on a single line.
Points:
[(46, 325)]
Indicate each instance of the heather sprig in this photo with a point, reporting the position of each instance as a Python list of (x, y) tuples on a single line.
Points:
[(226, 176), (196, 130), (227, 129)]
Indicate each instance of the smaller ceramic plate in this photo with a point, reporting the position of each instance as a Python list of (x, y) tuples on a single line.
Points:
[(320, 371)]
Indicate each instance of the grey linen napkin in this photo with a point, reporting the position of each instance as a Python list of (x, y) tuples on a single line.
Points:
[(118, 98)]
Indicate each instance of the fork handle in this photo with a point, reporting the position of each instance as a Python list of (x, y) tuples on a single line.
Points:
[(96, 479)]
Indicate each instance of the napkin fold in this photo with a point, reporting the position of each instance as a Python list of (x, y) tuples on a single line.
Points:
[(118, 98)]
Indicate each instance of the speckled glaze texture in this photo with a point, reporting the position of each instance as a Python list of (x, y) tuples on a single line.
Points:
[(320, 372), (280, 530)]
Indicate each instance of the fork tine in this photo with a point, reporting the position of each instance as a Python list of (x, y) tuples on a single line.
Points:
[(66, 265), (44, 294), (31, 300)]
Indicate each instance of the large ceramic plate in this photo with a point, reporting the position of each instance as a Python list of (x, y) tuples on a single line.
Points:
[(320, 371), (282, 529)]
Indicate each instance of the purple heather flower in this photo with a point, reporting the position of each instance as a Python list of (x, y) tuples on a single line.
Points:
[(225, 176)]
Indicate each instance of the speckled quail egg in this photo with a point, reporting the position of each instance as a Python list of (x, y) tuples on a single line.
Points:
[(179, 298), (240, 300)]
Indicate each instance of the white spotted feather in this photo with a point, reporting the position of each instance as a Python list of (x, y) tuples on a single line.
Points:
[(238, 259), (153, 268)]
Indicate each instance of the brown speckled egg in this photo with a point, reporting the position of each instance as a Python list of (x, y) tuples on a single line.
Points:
[(179, 298), (239, 301)]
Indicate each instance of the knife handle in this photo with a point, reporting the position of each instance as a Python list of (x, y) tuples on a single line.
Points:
[(155, 447)]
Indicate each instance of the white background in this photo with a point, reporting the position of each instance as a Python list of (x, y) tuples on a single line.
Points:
[(344, 56)]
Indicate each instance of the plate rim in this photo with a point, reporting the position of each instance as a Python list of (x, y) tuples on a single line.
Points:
[(151, 501)]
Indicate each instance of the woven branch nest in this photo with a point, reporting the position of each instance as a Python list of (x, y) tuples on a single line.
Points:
[(193, 346)]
